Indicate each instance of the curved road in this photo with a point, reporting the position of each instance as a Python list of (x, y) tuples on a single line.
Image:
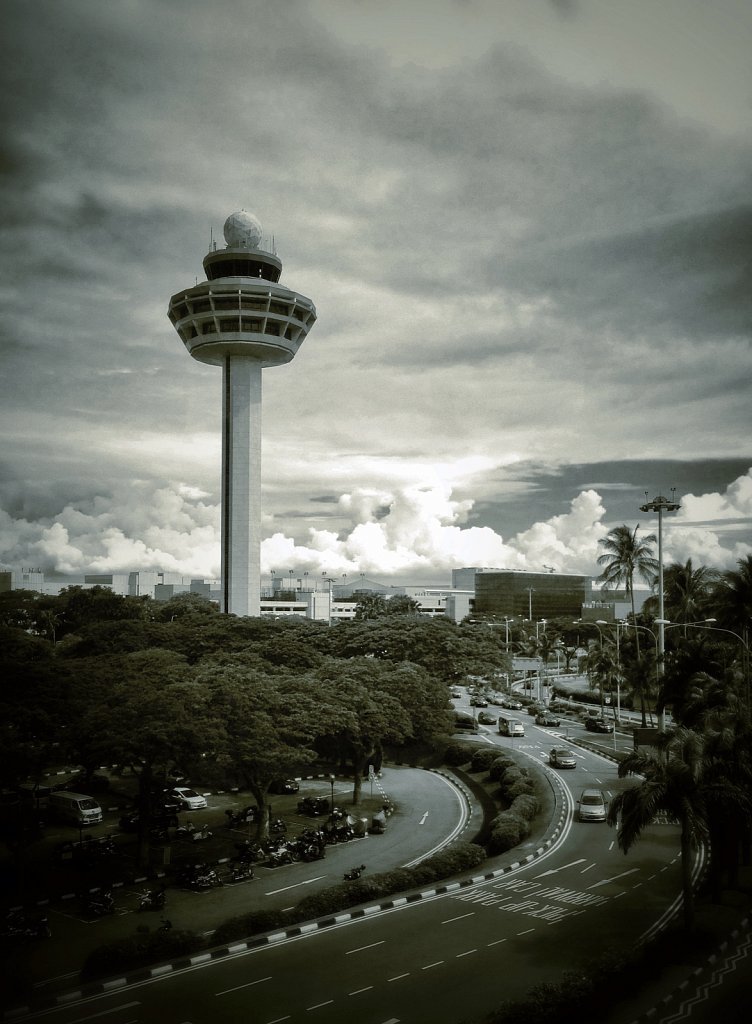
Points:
[(445, 958)]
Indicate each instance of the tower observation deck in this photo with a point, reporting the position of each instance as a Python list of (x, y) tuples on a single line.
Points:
[(242, 319)]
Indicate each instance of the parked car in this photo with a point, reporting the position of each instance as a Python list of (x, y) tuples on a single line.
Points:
[(598, 725), (188, 799), (283, 786), (454, 692), (546, 718), (561, 757), (486, 718), (512, 703), (592, 805)]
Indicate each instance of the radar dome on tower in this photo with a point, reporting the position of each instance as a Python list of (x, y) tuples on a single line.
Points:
[(242, 231)]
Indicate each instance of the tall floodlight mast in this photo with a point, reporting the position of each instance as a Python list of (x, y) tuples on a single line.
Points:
[(243, 320)]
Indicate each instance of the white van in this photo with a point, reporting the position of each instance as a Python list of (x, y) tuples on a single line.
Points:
[(75, 808), (511, 727)]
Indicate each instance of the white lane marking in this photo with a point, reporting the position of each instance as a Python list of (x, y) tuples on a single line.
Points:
[(527, 932), (359, 990), (238, 987), (104, 1013), (554, 871), (361, 948), (397, 977), (317, 1006), (588, 868), (428, 967), (614, 878), (422, 820), (460, 918), (308, 881), (466, 953), (496, 943)]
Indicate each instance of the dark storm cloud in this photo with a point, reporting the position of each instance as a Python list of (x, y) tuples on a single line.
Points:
[(691, 273)]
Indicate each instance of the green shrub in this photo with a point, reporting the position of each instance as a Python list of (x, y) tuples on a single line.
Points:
[(139, 950), (506, 832), (522, 788), (498, 766), (525, 806), (240, 927), (512, 775), (482, 759), (451, 861), (457, 754)]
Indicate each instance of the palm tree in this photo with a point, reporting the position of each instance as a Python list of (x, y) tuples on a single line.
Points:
[(734, 597), (602, 668), (687, 592), (692, 776), (673, 777), (625, 556)]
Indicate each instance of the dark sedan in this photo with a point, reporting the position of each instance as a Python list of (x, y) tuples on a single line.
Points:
[(546, 718), (598, 725)]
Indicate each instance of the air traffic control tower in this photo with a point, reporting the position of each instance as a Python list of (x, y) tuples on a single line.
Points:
[(242, 319)]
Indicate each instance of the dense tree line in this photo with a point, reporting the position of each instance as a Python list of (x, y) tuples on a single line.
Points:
[(93, 678)]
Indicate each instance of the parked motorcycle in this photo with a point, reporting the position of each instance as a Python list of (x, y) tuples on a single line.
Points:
[(285, 853), (354, 873), (190, 831), (207, 879), (245, 816), (240, 872), (313, 806), (277, 827), (99, 904), (19, 925), (247, 852), (152, 899)]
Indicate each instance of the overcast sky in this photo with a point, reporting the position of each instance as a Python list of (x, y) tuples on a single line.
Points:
[(526, 227)]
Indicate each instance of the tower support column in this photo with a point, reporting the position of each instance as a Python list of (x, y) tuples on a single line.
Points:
[(241, 485)]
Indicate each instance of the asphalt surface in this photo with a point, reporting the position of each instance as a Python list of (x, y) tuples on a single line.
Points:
[(431, 809), (693, 988)]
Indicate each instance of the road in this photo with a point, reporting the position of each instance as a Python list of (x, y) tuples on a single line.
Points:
[(446, 958)]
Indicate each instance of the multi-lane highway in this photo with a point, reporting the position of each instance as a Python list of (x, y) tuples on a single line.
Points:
[(446, 958)]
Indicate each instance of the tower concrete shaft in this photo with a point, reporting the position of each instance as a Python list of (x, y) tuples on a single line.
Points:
[(241, 485), (242, 319)]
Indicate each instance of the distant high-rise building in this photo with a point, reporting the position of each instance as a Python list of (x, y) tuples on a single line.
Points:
[(243, 320)]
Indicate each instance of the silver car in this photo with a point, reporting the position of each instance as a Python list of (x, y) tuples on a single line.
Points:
[(592, 805), (561, 757)]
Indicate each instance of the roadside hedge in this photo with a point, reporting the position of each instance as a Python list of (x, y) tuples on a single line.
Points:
[(140, 950)]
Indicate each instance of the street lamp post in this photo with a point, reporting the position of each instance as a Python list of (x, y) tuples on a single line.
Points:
[(506, 632), (660, 505)]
